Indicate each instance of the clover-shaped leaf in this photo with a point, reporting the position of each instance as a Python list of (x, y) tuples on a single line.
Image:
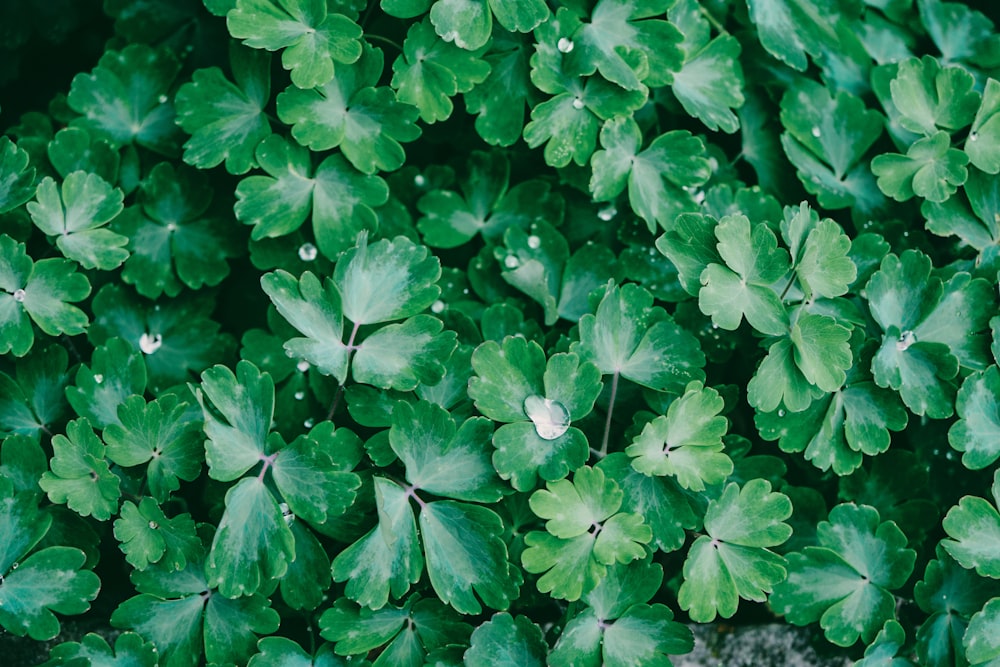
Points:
[(973, 527), (159, 435), (931, 98), (76, 214), (39, 292), (124, 99), (431, 71), (17, 179), (146, 535), (660, 178), (311, 38), (365, 121), (972, 218), (845, 582), (74, 149), (790, 32), (981, 144), (337, 197), (116, 372), (820, 250), (33, 400), (930, 169), (506, 640), (980, 641), (733, 560), (538, 400), (500, 100), (977, 431), (585, 533), (686, 442), (226, 119), (130, 649), (80, 476), (741, 287)]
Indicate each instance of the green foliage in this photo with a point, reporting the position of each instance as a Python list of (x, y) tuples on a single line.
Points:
[(441, 332)]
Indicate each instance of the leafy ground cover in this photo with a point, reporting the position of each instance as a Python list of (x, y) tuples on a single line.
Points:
[(443, 332)]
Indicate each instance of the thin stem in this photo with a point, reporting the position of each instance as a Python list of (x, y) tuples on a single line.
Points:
[(607, 422), (268, 462), (385, 40), (714, 21), (351, 347), (784, 292)]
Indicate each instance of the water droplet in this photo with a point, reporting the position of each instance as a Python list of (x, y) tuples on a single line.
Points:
[(18, 295), (153, 525), (906, 339), (577, 103), (420, 180), (511, 262), (565, 45), (163, 99), (98, 378), (150, 344), (973, 136), (299, 395), (607, 213), (437, 306), (309, 422), (302, 366), (171, 226), (781, 413), (816, 132), (550, 418), (534, 242), (307, 252)]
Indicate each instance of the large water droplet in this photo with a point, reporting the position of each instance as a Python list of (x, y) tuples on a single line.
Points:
[(307, 252), (18, 295), (420, 180), (565, 45), (550, 418), (302, 366), (511, 262), (438, 306), (906, 339), (534, 242), (150, 344), (577, 103)]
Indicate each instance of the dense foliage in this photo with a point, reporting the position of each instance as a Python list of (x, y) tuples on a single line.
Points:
[(499, 333)]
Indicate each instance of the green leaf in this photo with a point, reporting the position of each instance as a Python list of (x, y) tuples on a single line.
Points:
[(658, 179), (690, 245), (465, 555), (686, 442), (116, 372), (974, 221), (388, 558), (974, 528), (130, 650), (226, 119), (845, 581), (400, 356), (572, 558), (307, 579), (886, 647), (930, 169), (506, 640), (80, 476), (124, 99), (311, 38), (977, 431), (980, 641), (822, 350), (631, 337), (623, 43), (41, 291), (35, 401), (337, 197), (73, 149), (733, 559), (431, 71), (147, 536), (821, 253), (174, 626), (791, 29), (253, 544), (467, 23), (174, 239), (442, 457), (741, 287), (22, 525), (50, 580), (365, 121), (499, 101), (931, 98), (17, 179), (283, 652), (981, 144), (926, 339), (238, 409), (76, 218), (826, 137), (309, 475)]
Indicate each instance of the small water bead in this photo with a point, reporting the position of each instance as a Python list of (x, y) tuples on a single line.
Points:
[(973, 136), (781, 413), (302, 366), (577, 103), (511, 262), (171, 226), (816, 132), (438, 306), (308, 252), (150, 344), (565, 45), (299, 395), (534, 242), (19, 295), (153, 525), (608, 213), (906, 339), (420, 180), (98, 378), (163, 99), (309, 422)]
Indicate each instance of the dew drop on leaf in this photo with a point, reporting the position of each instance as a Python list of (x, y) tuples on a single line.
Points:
[(420, 180), (309, 422), (98, 378), (18, 295), (816, 132), (150, 344), (163, 99), (307, 252), (534, 242), (565, 45), (550, 418), (299, 395), (511, 262), (153, 525), (608, 213), (302, 366), (577, 103), (437, 306), (906, 339)]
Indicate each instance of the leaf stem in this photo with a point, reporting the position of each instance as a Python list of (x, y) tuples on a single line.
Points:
[(710, 17), (385, 40), (351, 347), (268, 462), (784, 292), (607, 422)]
